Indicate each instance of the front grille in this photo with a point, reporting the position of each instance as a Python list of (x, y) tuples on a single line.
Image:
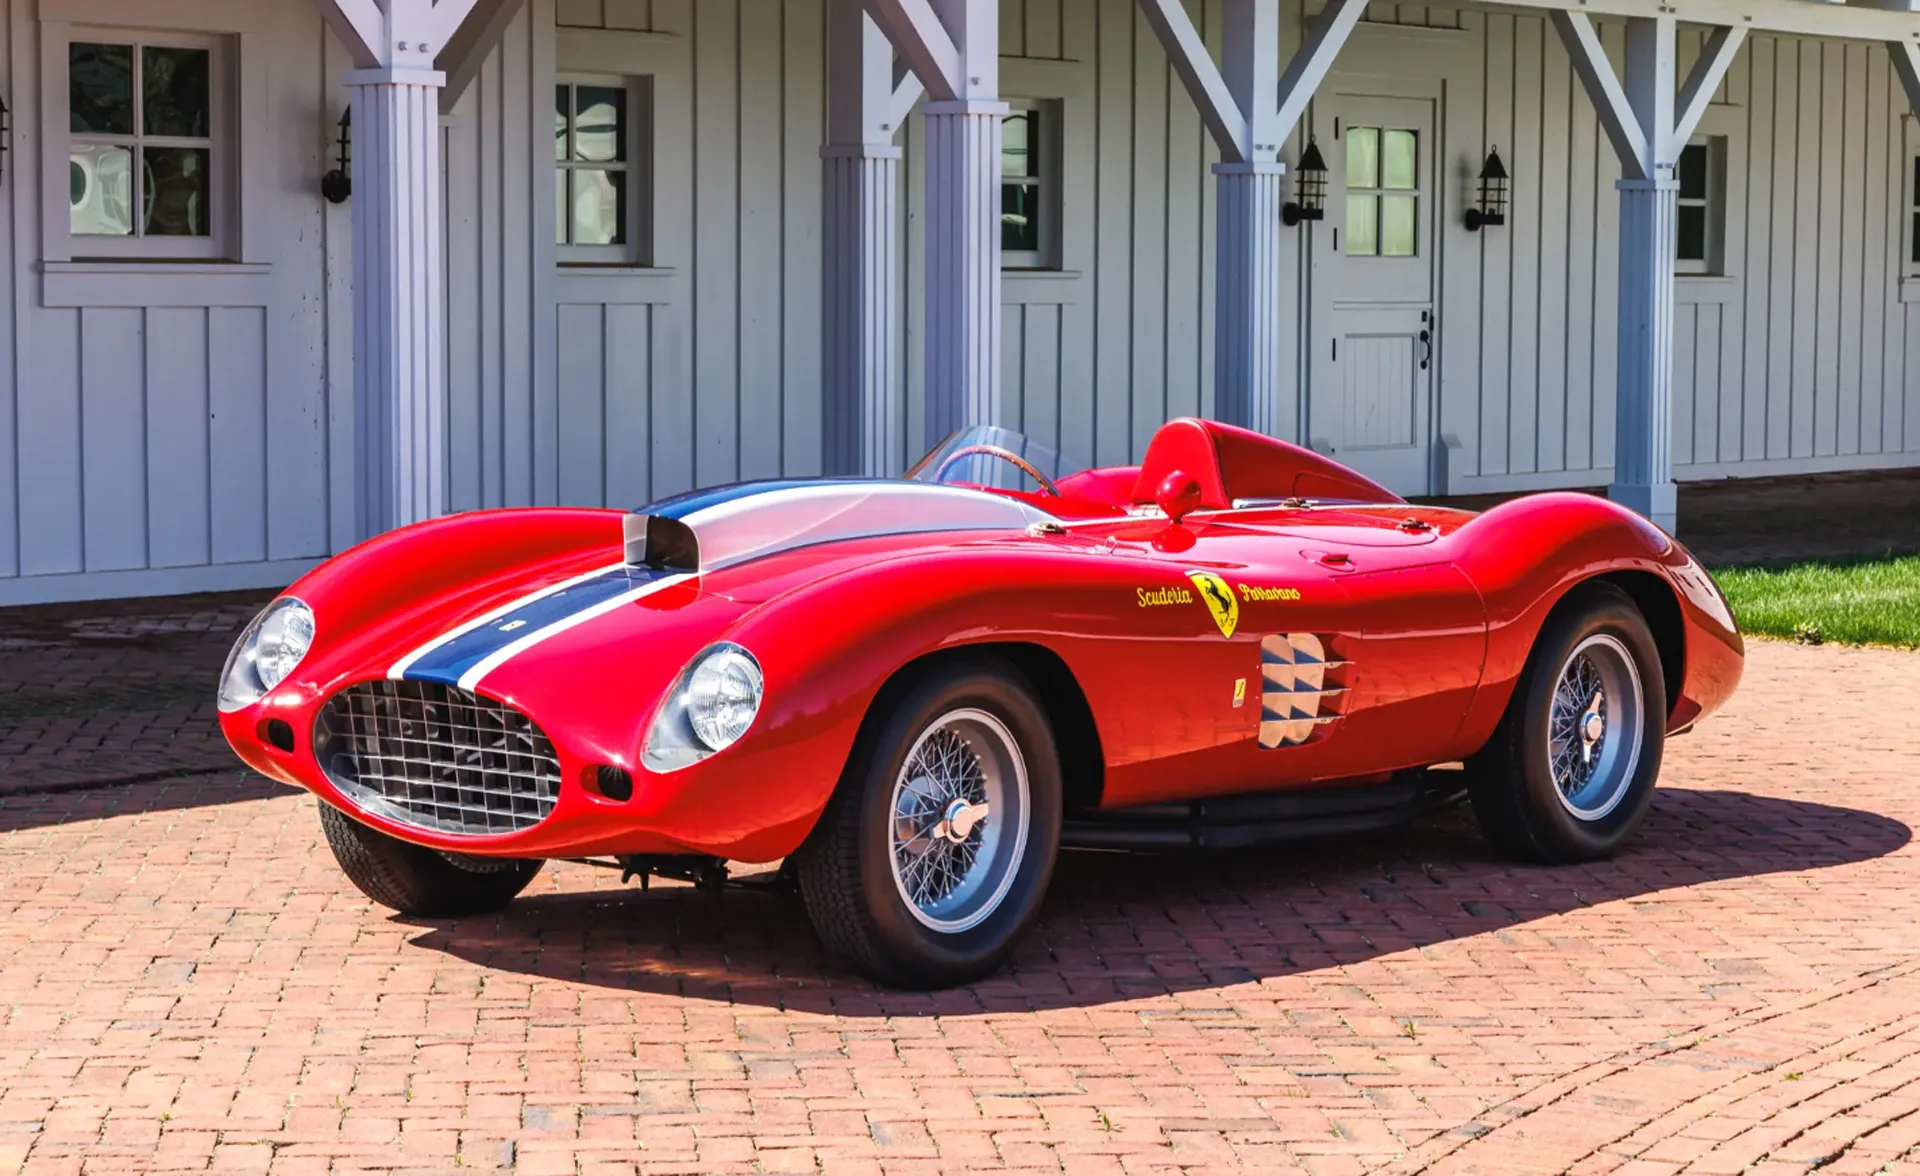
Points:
[(437, 757)]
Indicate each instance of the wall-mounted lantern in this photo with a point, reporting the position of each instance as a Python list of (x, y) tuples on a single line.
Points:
[(1493, 195), (337, 184), (1311, 189)]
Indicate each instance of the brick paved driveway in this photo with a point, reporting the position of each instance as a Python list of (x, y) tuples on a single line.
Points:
[(186, 982)]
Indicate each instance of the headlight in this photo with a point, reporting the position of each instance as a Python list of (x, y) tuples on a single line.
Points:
[(723, 695), (266, 653), (710, 708)]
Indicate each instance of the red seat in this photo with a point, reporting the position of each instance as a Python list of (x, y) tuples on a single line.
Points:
[(1232, 463)]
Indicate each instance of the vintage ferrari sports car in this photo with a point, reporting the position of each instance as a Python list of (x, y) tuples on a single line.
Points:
[(916, 691)]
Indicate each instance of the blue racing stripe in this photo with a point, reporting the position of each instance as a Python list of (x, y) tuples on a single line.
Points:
[(447, 662), (682, 505)]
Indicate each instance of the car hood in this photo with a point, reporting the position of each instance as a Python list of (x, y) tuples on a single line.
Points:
[(509, 603)]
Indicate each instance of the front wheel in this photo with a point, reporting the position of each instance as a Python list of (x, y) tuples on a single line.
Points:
[(1570, 772), (415, 880), (934, 853)]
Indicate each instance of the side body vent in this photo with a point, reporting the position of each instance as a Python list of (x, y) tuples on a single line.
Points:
[(1301, 688)]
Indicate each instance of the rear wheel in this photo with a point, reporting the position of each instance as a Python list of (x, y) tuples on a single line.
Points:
[(415, 880), (1570, 772), (934, 853)]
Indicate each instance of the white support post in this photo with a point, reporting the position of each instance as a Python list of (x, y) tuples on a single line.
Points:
[(859, 288), (399, 305), (1648, 124), (1643, 408), (953, 46), (1251, 108)]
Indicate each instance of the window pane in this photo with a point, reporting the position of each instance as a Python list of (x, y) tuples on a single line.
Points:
[(600, 124), (1363, 157), (176, 98), (1398, 160), (1019, 142), (1019, 217), (100, 183), (1916, 238), (100, 88), (1693, 172), (560, 214), (177, 192), (1916, 181), (1363, 236), (599, 207), (562, 119), (1693, 233), (1397, 231)]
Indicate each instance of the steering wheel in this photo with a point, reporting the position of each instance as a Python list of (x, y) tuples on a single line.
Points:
[(1007, 455)]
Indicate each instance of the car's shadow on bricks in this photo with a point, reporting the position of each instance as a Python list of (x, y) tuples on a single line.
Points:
[(1118, 926)]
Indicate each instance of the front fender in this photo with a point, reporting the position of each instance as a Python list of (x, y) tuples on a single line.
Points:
[(1527, 554)]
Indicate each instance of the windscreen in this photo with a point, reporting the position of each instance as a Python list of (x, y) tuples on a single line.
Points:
[(993, 457)]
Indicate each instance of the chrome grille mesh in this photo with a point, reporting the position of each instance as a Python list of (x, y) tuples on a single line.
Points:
[(437, 757)]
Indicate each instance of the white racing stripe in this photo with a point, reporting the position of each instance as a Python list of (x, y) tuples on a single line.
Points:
[(399, 669), (471, 679)]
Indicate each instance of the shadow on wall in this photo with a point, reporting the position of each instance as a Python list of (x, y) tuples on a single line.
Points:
[(1118, 927)]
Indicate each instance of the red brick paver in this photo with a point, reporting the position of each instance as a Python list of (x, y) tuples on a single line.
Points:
[(186, 983), (114, 691)]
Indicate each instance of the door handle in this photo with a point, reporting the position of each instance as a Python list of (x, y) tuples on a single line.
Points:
[(1426, 342)]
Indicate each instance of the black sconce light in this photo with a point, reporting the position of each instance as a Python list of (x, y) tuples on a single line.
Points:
[(337, 184), (1493, 194), (1311, 189), (6, 135)]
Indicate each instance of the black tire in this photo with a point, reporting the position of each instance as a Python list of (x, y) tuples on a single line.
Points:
[(1512, 785), (845, 869), (415, 880)]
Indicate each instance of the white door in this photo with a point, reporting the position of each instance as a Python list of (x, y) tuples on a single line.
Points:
[(1374, 328)]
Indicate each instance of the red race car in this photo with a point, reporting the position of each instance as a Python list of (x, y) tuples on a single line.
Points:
[(916, 691)]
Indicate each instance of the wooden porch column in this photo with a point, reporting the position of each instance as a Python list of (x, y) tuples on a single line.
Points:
[(953, 47), (860, 272), (1251, 108), (399, 307), (1648, 124)]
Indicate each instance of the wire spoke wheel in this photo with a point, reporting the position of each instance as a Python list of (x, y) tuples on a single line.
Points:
[(961, 813), (1596, 727)]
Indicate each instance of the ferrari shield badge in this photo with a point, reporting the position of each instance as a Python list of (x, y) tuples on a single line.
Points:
[(1219, 599)]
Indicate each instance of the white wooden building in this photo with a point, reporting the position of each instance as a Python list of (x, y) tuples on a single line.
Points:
[(601, 251)]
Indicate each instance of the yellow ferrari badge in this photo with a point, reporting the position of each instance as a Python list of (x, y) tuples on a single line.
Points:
[(1219, 598), (1239, 693)]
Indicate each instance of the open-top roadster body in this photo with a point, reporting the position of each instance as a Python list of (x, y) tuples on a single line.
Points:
[(916, 690)]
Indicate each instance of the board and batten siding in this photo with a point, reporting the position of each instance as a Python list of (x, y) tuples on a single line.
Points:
[(702, 365), (191, 427), (164, 428), (1793, 359)]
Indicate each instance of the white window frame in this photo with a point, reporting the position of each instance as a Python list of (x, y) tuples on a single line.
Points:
[(223, 144), (1910, 223), (1044, 172), (1715, 204), (638, 248)]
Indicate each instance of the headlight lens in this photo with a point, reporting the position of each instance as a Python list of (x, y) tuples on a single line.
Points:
[(709, 709), (723, 695), (266, 653)]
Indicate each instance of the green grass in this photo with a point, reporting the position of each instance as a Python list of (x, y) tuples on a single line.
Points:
[(1857, 602)]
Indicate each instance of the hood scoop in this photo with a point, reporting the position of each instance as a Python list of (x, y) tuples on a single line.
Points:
[(655, 541)]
